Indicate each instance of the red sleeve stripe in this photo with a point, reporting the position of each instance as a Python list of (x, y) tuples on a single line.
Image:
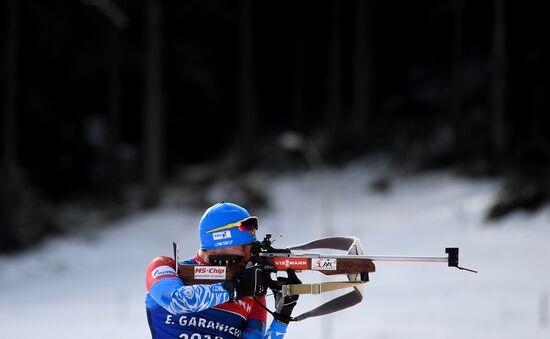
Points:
[(160, 268)]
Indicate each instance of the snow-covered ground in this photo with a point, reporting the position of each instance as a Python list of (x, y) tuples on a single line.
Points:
[(93, 287)]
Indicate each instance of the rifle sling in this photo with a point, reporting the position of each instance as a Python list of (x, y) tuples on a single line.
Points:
[(337, 304), (296, 289)]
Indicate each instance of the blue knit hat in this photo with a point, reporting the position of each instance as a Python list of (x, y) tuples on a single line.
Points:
[(226, 224)]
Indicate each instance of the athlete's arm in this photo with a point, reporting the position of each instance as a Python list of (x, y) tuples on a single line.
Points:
[(167, 289)]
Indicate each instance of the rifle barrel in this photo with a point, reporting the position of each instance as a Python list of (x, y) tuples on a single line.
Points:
[(386, 258), (406, 258)]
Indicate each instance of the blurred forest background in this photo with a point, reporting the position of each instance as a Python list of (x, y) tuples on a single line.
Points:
[(107, 104)]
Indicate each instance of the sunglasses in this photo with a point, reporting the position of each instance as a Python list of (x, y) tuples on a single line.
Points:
[(249, 224)]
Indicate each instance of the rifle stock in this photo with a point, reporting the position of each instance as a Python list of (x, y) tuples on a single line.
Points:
[(201, 274)]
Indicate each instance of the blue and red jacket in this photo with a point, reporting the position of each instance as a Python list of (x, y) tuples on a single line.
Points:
[(175, 310)]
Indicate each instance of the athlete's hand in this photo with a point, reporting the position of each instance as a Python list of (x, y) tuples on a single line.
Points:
[(251, 281), (285, 305)]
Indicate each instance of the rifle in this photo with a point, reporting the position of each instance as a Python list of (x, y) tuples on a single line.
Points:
[(354, 264)]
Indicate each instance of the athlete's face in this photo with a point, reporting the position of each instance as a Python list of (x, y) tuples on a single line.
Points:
[(242, 250)]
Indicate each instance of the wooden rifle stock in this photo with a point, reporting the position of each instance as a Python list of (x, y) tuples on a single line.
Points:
[(203, 274)]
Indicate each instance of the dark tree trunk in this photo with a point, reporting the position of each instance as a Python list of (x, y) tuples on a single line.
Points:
[(8, 189), (362, 72), (537, 62), (334, 112), (247, 112), (153, 120), (498, 95), (456, 101), (114, 101), (109, 178), (297, 108)]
